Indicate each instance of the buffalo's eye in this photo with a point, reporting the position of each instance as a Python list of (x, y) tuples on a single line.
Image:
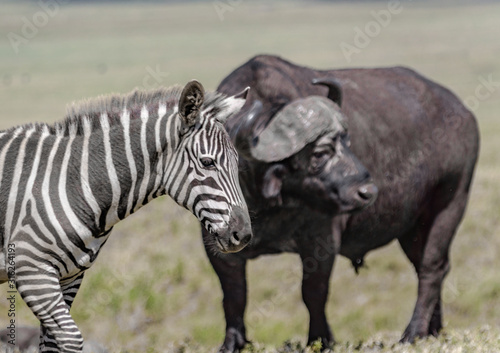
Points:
[(208, 162), (318, 160), (319, 154)]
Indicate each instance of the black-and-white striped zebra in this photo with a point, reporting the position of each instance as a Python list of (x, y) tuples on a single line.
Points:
[(63, 187)]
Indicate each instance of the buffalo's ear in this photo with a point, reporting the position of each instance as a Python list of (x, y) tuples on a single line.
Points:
[(334, 88), (190, 102), (272, 184)]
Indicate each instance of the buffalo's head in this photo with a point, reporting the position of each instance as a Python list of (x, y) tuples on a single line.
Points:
[(304, 149)]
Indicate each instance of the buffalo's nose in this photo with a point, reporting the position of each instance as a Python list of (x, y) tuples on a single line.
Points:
[(368, 192)]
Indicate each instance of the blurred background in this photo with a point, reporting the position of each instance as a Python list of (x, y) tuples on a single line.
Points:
[(152, 286)]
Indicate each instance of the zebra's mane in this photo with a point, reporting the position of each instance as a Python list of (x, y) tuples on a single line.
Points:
[(113, 105)]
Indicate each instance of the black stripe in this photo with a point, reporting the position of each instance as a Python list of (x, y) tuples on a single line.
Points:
[(204, 197), (208, 181), (122, 167), (98, 176), (74, 189), (177, 171)]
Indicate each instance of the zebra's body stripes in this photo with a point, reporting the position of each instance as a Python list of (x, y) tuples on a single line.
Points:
[(63, 188)]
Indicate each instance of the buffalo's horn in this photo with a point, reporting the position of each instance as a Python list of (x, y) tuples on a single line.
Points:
[(334, 88), (244, 133), (294, 126), (243, 94)]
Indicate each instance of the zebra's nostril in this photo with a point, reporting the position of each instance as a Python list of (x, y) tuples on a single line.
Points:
[(235, 239)]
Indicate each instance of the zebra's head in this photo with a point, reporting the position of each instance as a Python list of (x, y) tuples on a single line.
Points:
[(210, 187)]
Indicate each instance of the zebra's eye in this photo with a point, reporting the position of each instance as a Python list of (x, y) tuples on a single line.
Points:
[(208, 162)]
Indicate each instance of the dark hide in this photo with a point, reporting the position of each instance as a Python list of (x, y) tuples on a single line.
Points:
[(420, 145)]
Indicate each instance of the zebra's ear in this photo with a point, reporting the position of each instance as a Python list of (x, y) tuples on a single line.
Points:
[(190, 102)]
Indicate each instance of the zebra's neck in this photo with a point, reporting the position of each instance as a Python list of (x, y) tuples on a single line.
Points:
[(123, 164)]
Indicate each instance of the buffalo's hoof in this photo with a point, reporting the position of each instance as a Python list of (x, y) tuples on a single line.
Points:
[(234, 342), (435, 327), (411, 334), (327, 343)]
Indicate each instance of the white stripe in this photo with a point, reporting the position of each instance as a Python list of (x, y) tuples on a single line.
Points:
[(44, 309), (28, 195), (37, 297), (208, 213), (162, 111), (169, 155), (145, 154), (52, 240), (42, 268), (30, 249), (47, 196), (82, 231), (209, 204), (84, 172), (14, 188), (52, 218), (130, 159), (36, 277), (174, 165), (36, 239), (112, 217), (5, 149)]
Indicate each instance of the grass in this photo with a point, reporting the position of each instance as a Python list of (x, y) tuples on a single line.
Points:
[(152, 287)]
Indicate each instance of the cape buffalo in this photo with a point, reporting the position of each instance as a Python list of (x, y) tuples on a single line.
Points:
[(301, 179)]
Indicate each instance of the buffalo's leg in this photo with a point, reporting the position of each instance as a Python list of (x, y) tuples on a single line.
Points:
[(317, 264), (428, 248), (436, 323), (231, 272)]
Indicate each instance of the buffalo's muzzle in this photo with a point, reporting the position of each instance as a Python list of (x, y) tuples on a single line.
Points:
[(368, 192)]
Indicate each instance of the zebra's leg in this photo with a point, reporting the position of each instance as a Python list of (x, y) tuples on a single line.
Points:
[(69, 289), (43, 294)]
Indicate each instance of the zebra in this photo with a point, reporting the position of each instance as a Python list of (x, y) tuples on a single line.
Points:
[(64, 186)]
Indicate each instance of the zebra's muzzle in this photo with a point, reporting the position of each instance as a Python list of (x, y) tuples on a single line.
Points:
[(234, 244), (221, 246), (237, 235)]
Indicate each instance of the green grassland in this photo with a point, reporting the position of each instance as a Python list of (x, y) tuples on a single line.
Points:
[(152, 288)]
